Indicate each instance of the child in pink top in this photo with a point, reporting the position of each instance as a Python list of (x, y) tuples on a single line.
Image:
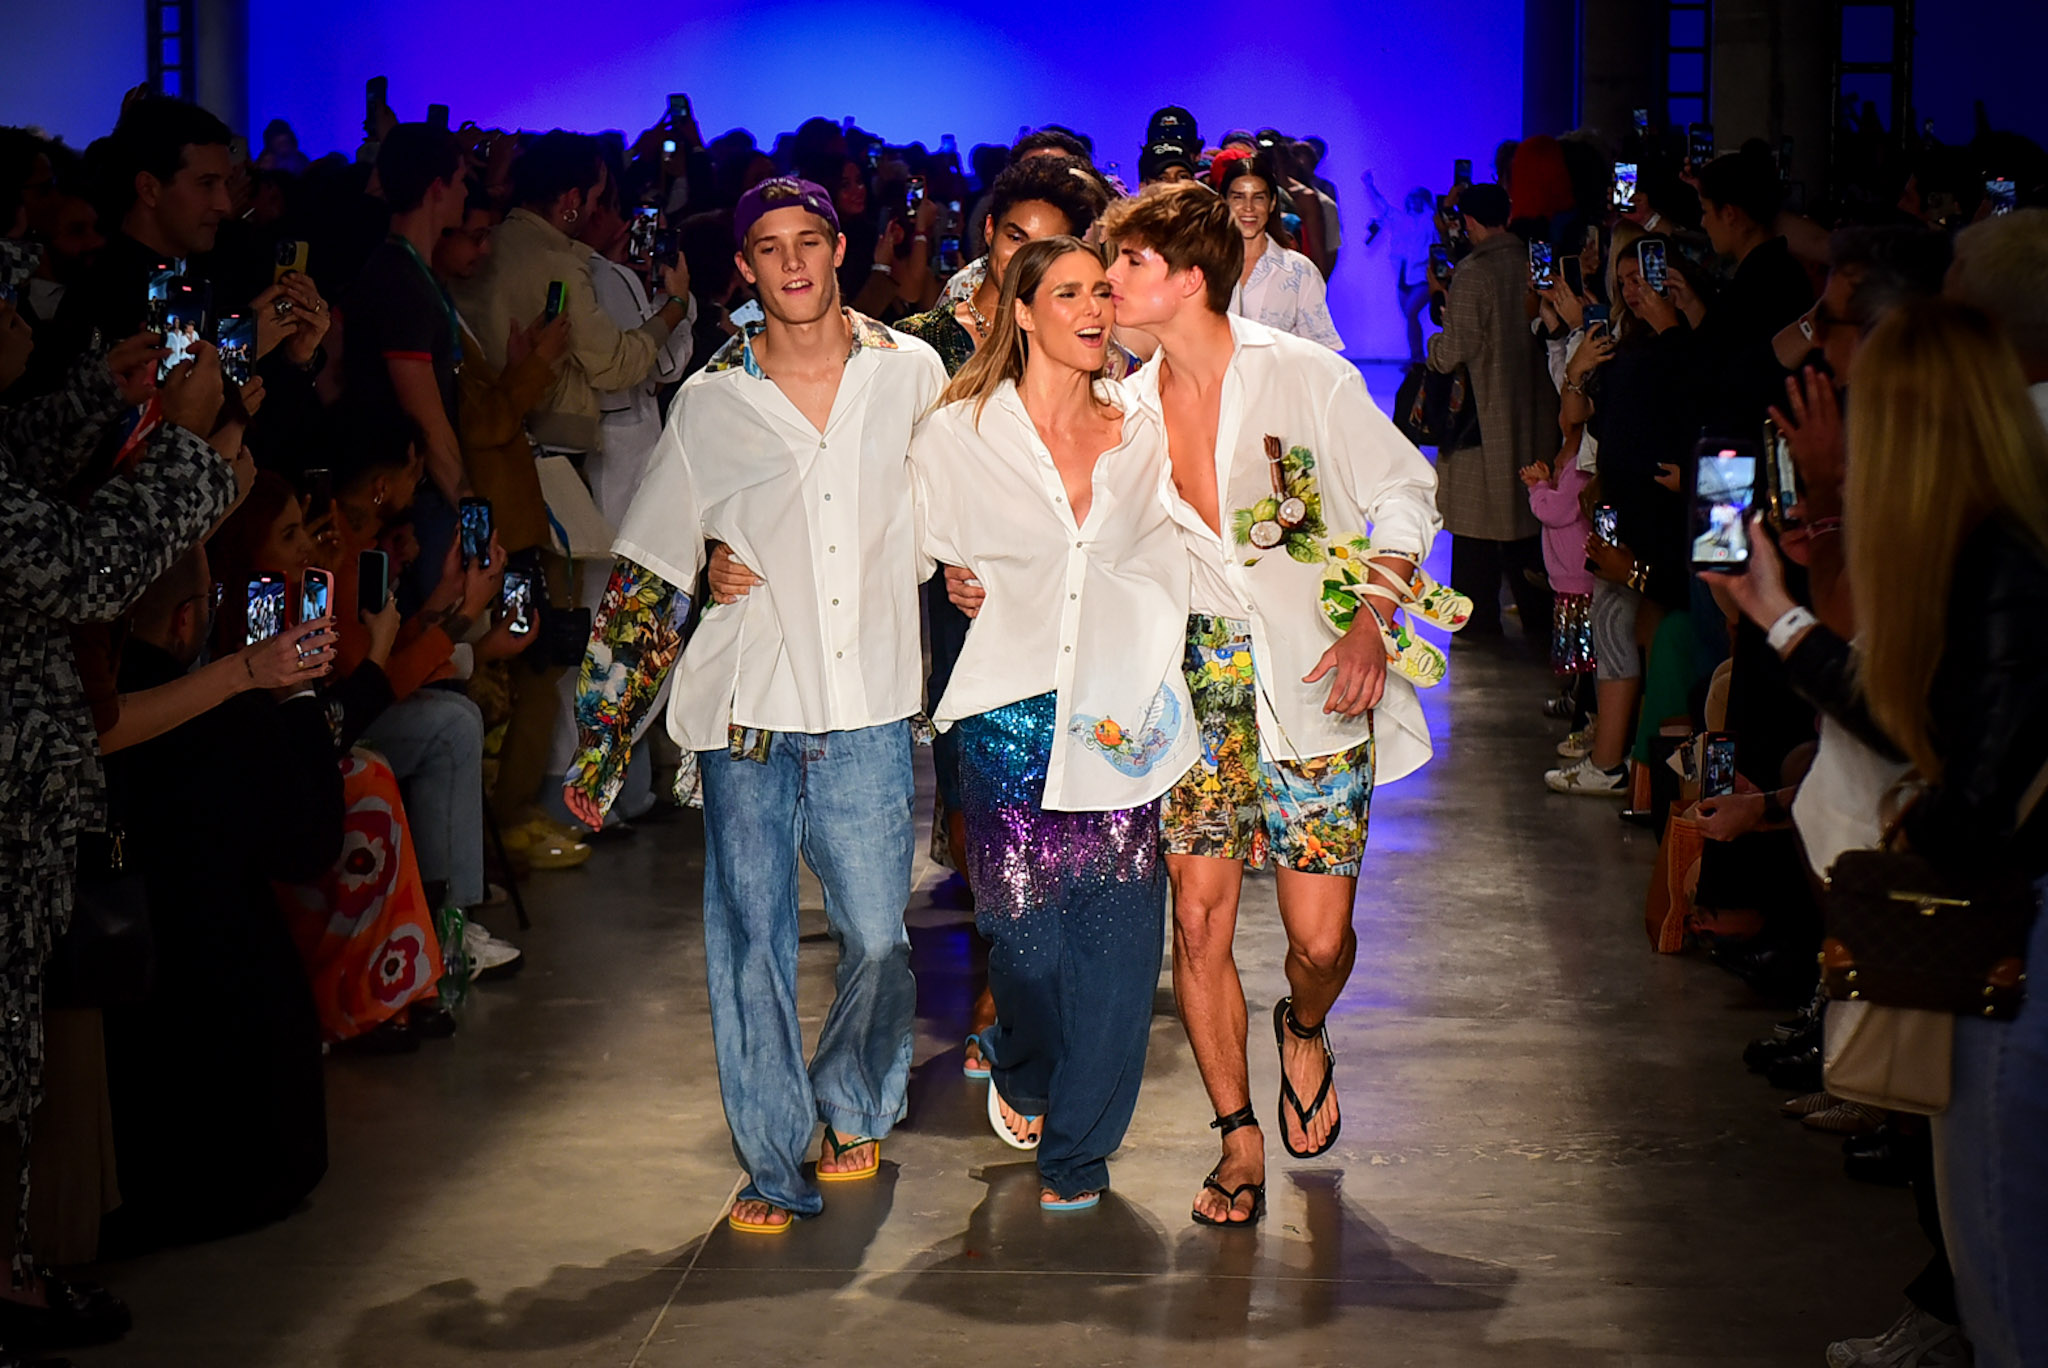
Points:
[(1554, 498)]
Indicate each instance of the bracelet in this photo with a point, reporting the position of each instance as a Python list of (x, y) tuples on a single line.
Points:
[(1638, 575), (1789, 625), (881, 267)]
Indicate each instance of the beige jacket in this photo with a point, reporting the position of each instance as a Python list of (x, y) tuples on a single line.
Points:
[(527, 255)]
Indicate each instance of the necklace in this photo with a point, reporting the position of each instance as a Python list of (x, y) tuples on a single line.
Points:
[(980, 323)]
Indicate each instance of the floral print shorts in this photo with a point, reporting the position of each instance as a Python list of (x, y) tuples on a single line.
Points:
[(1305, 815)]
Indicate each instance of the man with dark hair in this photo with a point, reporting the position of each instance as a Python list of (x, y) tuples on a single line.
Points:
[(1479, 489), (790, 449), (1277, 453), (1054, 140), (1166, 163), (1740, 194), (403, 334)]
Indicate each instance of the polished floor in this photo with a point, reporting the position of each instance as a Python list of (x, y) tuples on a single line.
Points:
[(1551, 1153)]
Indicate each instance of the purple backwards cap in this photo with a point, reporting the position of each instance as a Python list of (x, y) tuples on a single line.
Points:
[(781, 192)]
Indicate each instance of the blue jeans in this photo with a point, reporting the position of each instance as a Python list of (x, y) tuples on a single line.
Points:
[(434, 739), (1991, 1170), (843, 799)]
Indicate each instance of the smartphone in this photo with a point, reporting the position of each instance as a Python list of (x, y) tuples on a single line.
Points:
[(1439, 262), (668, 147), (913, 193), (1624, 185), (678, 109), (949, 143), (291, 260), (558, 299), (266, 608), (179, 313), (1781, 476), (1574, 274), (640, 233), (475, 522), (666, 249), (949, 253), (1596, 316), (316, 594), (318, 482), (1607, 527), (1651, 256), (2003, 194), (1641, 119), (1718, 778), (1699, 143), (235, 336), (437, 117), (1723, 491), (1461, 171), (1542, 274), (518, 603), (376, 95), (373, 582)]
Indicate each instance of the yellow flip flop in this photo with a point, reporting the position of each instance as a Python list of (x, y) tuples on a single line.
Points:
[(732, 1219), (840, 1147)]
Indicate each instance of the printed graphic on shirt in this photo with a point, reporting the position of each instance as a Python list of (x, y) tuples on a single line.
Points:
[(1292, 518), (738, 350), (637, 636), (1132, 750)]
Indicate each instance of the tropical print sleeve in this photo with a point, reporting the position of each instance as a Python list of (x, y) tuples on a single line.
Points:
[(635, 639)]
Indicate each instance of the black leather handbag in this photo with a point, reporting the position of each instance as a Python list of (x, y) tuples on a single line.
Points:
[(107, 958), (1901, 933), (1436, 409)]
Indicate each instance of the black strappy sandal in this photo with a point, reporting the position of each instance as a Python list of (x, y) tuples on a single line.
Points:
[(1283, 1020), (1237, 1120)]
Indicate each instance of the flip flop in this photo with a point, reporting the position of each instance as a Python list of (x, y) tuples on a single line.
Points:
[(839, 1148), (1283, 1021), (976, 1066), (1081, 1203), (995, 1120), (757, 1228), (1242, 1117)]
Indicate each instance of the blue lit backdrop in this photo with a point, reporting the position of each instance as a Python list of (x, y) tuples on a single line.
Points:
[(1390, 85)]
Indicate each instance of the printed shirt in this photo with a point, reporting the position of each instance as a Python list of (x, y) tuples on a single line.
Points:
[(1095, 611), (829, 640), (1287, 292), (1355, 474)]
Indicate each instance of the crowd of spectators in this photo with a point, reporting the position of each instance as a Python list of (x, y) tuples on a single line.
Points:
[(414, 391), (1623, 328)]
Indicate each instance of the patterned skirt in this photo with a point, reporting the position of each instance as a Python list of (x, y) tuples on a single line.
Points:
[(1571, 635)]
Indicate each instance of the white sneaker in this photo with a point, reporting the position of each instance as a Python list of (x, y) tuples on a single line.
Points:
[(489, 957), (1576, 746), (1915, 1340), (1587, 778)]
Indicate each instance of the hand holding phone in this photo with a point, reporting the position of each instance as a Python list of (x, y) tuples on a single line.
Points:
[(474, 523), (1724, 488), (266, 615), (1624, 185), (1650, 256), (516, 603), (1541, 272), (558, 300), (316, 595)]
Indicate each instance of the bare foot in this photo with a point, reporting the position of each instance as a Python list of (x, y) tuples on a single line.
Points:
[(1046, 1197), (1244, 1161), (1026, 1129), (1306, 1065), (752, 1211), (857, 1156)]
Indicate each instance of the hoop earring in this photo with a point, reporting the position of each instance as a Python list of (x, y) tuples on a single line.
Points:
[(569, 215)]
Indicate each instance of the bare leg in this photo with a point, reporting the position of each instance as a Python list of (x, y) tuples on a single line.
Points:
[(1321, 948), (1211, 1001), (1614, 728)]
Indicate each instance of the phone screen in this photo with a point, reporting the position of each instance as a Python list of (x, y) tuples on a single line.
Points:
[(1461, 171), (235, 335), (1651, 255), (1719, 779), (558, 299), (1786, 492), (1439, 261), (373, 581), (1722, 496), (1541, 273), (1700, 143), (518, 601), (315, 592), (2003, 194), (1624, 185), (179, 313), (1641, 118), (640, 233), (1607, 524), (266, 607), (913, 192), (476, 531)]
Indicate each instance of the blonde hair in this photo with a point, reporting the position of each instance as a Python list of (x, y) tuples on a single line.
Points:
[(1622, 242), (1003, 356), (1942, 435), (2001, 266)]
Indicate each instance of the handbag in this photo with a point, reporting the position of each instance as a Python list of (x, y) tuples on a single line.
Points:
[(1435, 408), (1894, 1058), (107, 956)]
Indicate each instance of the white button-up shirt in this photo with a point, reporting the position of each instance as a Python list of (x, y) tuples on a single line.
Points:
[(1287, 292), (1096, 610), (829, 641), (1360, 476)]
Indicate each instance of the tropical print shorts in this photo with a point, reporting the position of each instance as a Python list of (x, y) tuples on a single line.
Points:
[(1305, 815)]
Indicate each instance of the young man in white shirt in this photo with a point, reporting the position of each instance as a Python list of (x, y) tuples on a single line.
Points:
[(790, 448), (1277, 453)]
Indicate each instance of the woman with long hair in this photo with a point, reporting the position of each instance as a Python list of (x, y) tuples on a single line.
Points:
[(1038, 478), (1946, 515), (1280, 287)]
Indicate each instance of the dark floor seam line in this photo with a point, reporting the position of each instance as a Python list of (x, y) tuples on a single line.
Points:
[(702, 1244)]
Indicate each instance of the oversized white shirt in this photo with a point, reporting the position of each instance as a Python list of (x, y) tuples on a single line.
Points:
[(1287, 292), (829, 641), (1095, 611), (1360, 476)]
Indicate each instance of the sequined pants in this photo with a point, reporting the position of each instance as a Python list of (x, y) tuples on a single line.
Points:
[(843, 800), (1074, 904)]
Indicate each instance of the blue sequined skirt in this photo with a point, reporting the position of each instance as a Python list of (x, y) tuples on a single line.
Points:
[(1021, 857)]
